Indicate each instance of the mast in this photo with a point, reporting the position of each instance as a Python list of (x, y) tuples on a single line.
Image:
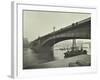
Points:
[(74, 45)]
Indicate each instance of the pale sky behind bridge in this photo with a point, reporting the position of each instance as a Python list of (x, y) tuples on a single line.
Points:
[(39, 23)]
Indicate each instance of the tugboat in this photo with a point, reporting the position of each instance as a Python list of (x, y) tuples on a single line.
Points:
[(74, 50)]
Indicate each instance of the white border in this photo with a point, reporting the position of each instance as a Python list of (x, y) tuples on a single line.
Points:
[(17, 66)]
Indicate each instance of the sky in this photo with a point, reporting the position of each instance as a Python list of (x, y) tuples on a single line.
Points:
[(39, 23)]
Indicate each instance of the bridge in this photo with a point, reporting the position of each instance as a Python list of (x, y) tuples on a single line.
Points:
[(43, 45)]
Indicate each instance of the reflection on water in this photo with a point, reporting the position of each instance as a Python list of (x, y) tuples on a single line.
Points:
[(64, 46)]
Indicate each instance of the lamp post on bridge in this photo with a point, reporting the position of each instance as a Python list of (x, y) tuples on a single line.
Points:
[(54, 34), (39, 40)]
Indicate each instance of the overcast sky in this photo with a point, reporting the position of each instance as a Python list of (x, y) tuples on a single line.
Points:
[(39, 23)]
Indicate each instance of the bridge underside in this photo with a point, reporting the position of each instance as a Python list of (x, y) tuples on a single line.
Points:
[(50, 43)]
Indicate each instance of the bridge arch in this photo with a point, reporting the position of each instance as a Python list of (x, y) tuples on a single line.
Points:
[(79, 30)]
